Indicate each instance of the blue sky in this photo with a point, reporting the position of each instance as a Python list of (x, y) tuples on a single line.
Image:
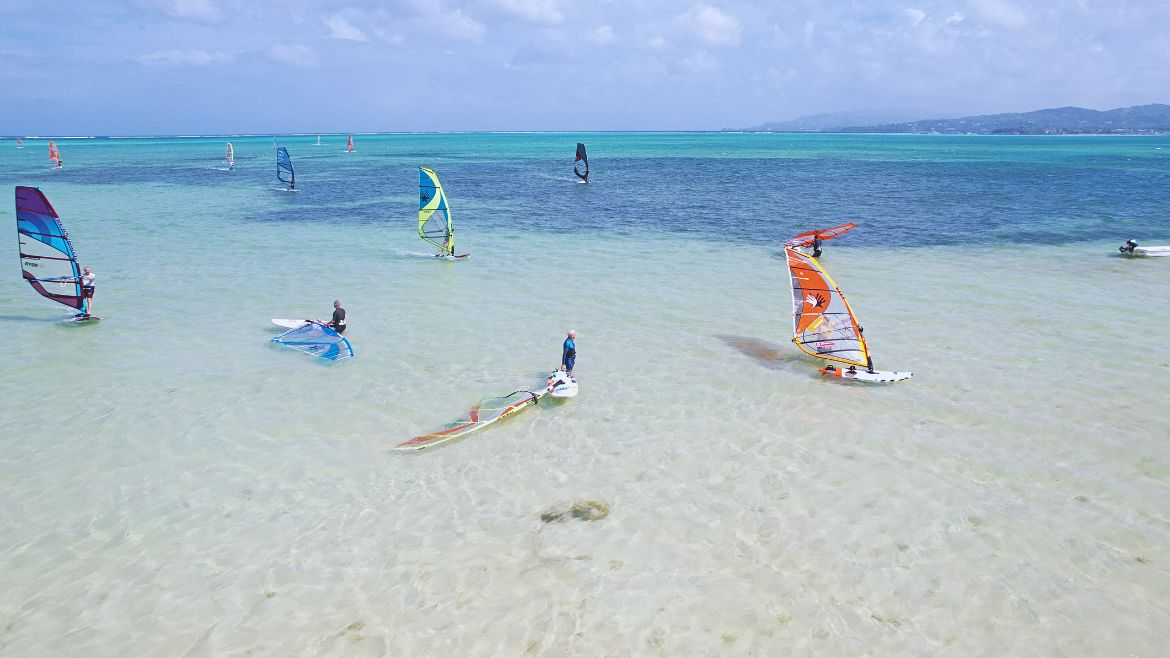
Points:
[(228, 66)]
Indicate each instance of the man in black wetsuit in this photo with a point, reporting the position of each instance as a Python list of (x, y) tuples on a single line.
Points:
[(338, 321)]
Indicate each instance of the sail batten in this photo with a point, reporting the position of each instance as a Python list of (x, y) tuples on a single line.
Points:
[(434, 216), (48, 260), (823, 324)]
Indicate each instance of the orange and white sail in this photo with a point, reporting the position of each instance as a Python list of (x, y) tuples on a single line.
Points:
[(19, 143), (54, 154), (230, 158), (823, 324), (349, 144)]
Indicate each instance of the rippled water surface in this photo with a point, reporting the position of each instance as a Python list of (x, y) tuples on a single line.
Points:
[(174, 485)]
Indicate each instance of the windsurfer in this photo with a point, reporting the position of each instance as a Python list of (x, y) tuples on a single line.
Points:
[(338, 321), (816, 245), (1128, 247), (87, 278), (569, 352)]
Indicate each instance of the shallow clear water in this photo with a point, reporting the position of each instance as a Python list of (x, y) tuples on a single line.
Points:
[(174, 485)]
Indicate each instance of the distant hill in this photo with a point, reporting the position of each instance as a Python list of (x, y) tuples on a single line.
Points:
[(1140, 119), (831, 121)]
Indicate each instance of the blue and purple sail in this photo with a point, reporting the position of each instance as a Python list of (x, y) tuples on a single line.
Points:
[(317, 339), (47, 257)]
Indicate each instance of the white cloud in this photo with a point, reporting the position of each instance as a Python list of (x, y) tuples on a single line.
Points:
[(712, 25), (204, 11), (954, 18), (339, 28), (603, 34), (293, 54), (1001, 12), (700, 63), (537, 11), (458, 25), (915, 15), (182, 57)]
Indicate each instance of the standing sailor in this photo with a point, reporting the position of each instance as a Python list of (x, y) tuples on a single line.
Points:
[(816, 245), (569, 352), (338, 322), (87, 278)]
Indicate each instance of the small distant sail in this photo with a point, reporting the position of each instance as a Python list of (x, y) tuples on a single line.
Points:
[(349, 144), (47, 257), (434, 217), (480, 416), (823, 324), (19, 143), (808, 237), (317, 339), (54, 154), (284, 168), (581, 164), (230, 158), (318, 141)]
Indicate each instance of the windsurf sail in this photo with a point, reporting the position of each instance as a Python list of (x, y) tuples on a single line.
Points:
[(349, 144), (480, 416), (54, 154), (47, 257), (823, 324), (808, 237), (230, 158), (317, 339), (434, 217), (581, 164), (19, 143), (284, 168), (318, 141)]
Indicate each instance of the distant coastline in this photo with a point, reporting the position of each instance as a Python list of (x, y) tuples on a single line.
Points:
[(1153, 119)]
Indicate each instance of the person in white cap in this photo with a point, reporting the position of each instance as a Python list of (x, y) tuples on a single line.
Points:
[(569, 353)]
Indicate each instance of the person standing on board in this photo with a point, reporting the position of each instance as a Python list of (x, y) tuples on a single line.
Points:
[(569, 352), (338, 322), (816, 245), (87, 278)]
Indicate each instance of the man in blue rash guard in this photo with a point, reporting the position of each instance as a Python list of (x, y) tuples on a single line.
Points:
[(569, 355)]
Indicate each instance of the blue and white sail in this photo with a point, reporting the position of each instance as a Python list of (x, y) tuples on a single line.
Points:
[(47, 257), (317, 339), (284, 168)]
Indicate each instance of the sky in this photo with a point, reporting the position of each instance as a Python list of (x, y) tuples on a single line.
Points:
[(136, 67)]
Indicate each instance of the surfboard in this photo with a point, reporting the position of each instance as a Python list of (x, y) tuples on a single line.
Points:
[(289, 324), (877, 376), (561, 384), (81, 319)]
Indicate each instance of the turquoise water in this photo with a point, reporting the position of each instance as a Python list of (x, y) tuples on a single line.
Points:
[(174, 485)]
